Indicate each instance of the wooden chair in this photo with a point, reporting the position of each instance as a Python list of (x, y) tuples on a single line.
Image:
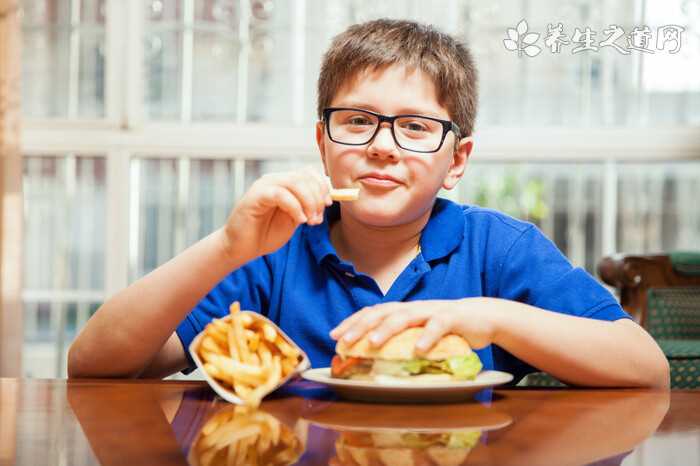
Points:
[(662, 292)]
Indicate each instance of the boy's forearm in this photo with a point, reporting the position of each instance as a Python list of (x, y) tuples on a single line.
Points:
[(578, 350), (130, 328)]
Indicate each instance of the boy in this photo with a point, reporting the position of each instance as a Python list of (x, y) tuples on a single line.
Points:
[(396, 104)]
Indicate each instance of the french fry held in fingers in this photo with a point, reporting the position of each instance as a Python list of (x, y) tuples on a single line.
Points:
[(245, 355), (240, 435), (345, 194)]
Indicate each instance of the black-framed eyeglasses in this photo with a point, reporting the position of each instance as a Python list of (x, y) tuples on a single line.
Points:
[(416, 133)]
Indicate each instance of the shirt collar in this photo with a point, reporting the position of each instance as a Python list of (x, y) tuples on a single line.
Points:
[(444, 231), (442, 234), (319, 236)]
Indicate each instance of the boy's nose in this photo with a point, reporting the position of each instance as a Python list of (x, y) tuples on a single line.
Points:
[(383, 145)]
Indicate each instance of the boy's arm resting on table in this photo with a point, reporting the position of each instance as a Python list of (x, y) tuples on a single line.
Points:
[(579, 350)]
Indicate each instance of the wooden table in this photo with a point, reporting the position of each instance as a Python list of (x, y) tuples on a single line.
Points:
[(167, 422)]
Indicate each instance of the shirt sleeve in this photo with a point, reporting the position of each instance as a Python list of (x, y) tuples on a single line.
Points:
[(249, 285), (535, 272)]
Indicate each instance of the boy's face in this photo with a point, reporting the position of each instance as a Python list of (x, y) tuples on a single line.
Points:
[(415, 178)]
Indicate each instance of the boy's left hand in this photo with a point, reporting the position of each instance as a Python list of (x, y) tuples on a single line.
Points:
[(473, 318)]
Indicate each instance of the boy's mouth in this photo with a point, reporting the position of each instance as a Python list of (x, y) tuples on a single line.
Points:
[(379, 180)]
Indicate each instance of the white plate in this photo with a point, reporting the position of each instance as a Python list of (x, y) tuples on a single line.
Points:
[(425, 392)]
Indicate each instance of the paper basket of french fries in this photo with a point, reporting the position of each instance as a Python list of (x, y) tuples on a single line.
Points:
[(245, 356)]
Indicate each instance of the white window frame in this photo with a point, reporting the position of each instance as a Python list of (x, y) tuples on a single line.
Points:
[(125, 134)]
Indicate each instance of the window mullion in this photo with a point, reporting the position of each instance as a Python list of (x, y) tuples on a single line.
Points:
[(243, 55), (132, 88), (115, 61), (117, 222), (609, 214), (187, 61), (298, 52), (74, 59)]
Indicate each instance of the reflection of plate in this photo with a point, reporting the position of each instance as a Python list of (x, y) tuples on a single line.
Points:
[(340, 416), (382, 434), (432, 392)]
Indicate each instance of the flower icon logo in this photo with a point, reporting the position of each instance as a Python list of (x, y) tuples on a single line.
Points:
[(522, 41)]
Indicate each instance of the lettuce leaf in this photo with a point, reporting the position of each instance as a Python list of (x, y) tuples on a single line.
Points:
[(463, 367), (415, 366)]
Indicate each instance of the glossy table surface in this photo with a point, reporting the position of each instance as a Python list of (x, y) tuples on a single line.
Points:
[(171, 422)]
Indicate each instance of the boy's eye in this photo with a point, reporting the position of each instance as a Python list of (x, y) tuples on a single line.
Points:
[(359, 120), (413, 126)]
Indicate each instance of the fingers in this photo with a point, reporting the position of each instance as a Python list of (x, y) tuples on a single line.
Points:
[(324, 187), (285, 200), (396, 323), (355, 326), (386, 320), (346, 324), (437, 327), (308, 187), (307, 197)]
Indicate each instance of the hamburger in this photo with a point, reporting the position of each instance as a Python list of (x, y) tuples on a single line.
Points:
[(451, 358), (404, 448)]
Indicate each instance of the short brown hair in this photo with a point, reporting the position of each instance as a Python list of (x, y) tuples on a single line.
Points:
[(383, 42)]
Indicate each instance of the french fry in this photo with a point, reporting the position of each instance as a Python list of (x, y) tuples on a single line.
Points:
[(252, 338), (246, 320), (232, 345), (288, 366), (285, 348), (269, 332), (208, 344), (213, 371), (265, 355), (220, 325), (240, 339), (217, 334), (346, 194), (233, 367)]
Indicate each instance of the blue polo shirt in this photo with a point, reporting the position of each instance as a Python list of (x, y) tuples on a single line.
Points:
[(466, 251)]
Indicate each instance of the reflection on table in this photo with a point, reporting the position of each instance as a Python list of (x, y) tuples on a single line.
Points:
[(121, 422), (510, 427)]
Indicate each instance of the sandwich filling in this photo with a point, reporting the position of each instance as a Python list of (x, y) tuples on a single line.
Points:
[(458, 367)]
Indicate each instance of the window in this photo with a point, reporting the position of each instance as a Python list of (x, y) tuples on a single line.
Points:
[(146, 120)]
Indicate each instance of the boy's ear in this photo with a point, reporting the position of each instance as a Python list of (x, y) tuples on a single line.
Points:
[(320, 141), (459, 162)]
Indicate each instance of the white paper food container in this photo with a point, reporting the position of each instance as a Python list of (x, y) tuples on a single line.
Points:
[(227, 394)]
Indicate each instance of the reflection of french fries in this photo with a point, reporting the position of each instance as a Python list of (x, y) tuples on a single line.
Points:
[(240, 435), (246, 355), (348, 194)]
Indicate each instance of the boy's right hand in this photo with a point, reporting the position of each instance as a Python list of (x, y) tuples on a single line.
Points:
[(274, 206)]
